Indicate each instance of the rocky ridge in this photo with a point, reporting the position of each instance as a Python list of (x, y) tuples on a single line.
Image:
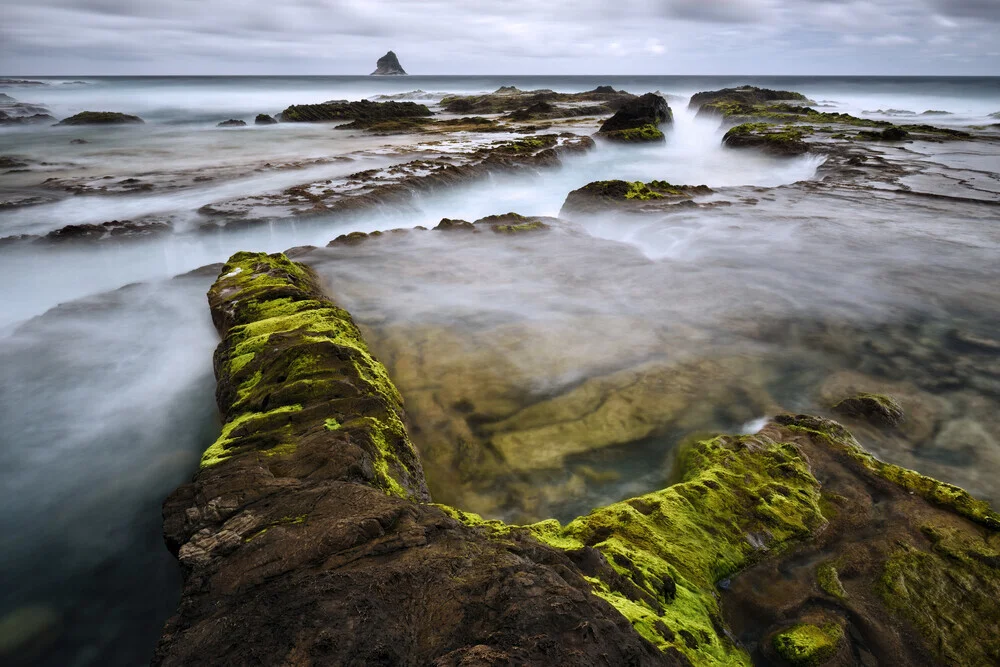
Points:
[(307, 534)]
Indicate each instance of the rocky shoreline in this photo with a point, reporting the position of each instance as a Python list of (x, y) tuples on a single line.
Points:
[(308, 537)]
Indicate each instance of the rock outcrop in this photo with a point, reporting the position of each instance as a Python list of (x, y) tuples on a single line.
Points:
[(363, 113), (232, 122), (543, 103), (621, 195), (13, 112), (388, 65), (101, 118), (768, 138), (746, 95), (307, 536), (638, 120), (264, 119)]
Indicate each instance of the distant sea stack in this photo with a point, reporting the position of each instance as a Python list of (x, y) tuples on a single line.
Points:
[(388, 65)]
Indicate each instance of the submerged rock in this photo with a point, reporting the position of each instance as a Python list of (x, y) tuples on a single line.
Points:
[(232, 122), (388, 65), (101, 118), (879, 409), (308, 535), (638, 120)]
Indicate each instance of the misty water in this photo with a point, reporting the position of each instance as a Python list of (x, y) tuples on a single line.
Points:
[(797, 291)]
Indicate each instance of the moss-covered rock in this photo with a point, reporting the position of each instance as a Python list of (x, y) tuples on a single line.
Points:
[(309, 513), (769, 138), (101, 118), (638, 120), (808, 645), (290, 356), (232, 122), (264, 119), (635, 135), (616, 194)]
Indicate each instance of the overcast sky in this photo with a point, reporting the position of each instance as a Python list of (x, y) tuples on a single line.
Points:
[(64, 37)]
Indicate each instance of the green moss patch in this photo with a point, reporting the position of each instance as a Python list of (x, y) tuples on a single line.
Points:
[(808, 645), (293, 369), (643, 134)]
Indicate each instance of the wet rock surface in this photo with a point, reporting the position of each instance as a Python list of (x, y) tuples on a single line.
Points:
[(362, 113), (638, 120), (309, 516)]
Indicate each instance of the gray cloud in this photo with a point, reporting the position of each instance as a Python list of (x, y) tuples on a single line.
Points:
[(485, 36), (719, 11), (988, 10)]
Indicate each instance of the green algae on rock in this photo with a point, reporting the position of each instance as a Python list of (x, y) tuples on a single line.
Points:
[(617, 194), (808, 645), (289, 357), (739, 500), (642, 134), (768, 138)]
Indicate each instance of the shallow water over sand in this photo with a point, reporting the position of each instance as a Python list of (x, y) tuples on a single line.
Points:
[(567, 364)]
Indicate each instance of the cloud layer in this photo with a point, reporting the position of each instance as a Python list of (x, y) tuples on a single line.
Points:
[(65, 37)]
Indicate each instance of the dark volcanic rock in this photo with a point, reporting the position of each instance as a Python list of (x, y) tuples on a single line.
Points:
[(362, 112), (649, 109), (638, 120), (264, 119), (101, 118), (232, 122), (748, 95), (388, 65), (888, 134)]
